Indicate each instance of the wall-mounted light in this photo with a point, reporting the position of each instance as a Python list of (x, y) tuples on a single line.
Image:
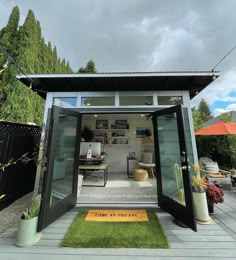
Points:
[(95, 115), (142, 115), (88, 104)]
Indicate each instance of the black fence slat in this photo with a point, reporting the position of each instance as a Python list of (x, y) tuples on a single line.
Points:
[(18, 179)]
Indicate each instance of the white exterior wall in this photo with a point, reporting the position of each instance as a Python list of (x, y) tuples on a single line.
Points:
[(118, 153)]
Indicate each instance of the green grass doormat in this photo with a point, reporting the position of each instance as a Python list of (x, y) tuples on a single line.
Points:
[(89, 234)]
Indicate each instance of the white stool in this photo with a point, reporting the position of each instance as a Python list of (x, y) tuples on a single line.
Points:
[(148, 167)]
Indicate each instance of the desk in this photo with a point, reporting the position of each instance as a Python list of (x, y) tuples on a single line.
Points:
[(95, 167)]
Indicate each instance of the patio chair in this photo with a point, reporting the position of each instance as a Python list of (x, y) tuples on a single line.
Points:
[(147, 163), (215, 175)]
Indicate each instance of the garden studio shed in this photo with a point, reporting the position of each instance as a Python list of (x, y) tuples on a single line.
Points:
[(114, 106)]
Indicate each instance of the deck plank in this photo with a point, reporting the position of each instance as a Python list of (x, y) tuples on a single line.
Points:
[(214, 241)]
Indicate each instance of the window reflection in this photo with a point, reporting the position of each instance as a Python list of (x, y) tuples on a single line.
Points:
[(98, 101), (65, 101), (136, 100), (169, 100)]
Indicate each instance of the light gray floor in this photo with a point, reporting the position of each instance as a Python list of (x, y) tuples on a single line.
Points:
[(119, 189)]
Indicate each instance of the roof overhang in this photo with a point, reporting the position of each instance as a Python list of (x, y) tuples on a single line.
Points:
[(194, 82)]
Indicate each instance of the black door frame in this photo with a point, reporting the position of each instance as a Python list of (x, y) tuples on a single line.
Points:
[(182, 213), (164, 202), (49, 214)]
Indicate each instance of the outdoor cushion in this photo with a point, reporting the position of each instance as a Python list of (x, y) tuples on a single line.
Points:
[(212, 167), (216, 175)]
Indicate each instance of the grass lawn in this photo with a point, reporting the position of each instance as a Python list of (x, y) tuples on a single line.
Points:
[(90, 234)]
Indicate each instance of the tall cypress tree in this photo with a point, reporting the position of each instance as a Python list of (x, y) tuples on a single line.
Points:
[(20, 104), (8, 43), (8, 35), (27, 47)]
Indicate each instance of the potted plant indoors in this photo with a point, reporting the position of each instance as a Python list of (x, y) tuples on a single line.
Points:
[(87, 134), (199, 185), (214, 194), (27, 230)]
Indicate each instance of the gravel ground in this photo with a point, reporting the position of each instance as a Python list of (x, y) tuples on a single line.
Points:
[(11, 215)]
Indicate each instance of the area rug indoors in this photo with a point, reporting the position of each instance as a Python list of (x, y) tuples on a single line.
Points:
[(123, 192), (91, 234)]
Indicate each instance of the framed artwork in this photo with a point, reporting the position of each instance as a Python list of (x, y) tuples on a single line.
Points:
[(121, 124), (102, 124), (140, 131)]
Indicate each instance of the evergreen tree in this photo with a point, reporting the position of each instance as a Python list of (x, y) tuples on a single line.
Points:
[(20, 104), (204, 109), (68, 68), (28, 54), (8, 43), (89, 68), (197, 119), (8, 35), (63, 65)]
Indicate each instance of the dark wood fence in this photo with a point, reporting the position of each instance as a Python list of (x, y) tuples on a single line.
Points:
[(17, 179)]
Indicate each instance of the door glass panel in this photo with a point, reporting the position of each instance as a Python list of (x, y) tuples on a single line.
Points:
[(63, 166), (171, 172)]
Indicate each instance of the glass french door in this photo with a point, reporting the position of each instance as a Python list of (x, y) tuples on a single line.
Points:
[(59, 191), (172, 169)]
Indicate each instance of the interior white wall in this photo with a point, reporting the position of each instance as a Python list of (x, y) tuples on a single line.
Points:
[(117, 153)]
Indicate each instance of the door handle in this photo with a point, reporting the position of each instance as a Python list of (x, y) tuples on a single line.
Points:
[(186, 167)]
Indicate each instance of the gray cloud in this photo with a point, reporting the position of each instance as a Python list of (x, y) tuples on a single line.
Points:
[(137, 35)]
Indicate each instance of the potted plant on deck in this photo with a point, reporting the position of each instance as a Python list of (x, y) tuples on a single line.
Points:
[(199, 185), (27, 230), (214, 194)]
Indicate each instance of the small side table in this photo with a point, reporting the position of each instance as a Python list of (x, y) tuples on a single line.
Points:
[(130, 175)]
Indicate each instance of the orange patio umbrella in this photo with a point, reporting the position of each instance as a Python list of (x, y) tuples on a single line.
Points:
[(219, 128)]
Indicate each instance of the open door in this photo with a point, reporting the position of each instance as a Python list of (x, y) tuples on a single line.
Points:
[(59, 191), (172, 169)]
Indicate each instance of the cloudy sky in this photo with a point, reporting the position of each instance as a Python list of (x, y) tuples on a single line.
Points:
[(143, 35)]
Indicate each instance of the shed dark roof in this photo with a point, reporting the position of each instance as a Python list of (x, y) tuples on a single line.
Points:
[(194, 81)]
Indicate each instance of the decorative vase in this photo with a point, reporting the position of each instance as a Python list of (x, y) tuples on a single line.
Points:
[(27, 232), (210, 208), (200, 206)]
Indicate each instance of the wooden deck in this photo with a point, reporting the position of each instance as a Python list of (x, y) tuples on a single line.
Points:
[(214, 241)]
